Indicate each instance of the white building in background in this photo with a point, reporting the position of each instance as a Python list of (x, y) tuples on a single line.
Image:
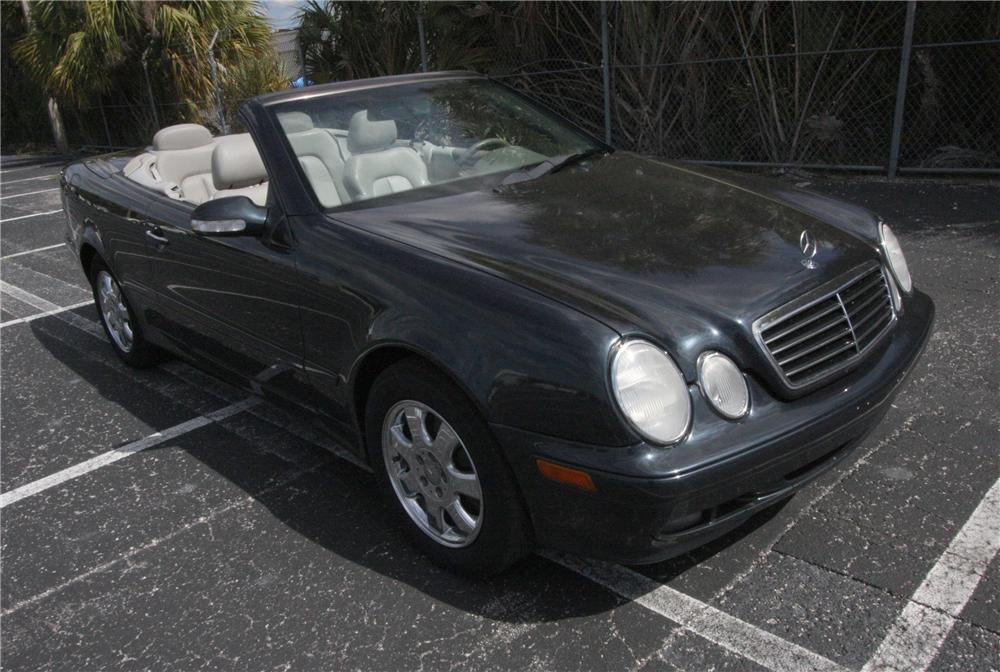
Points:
[(286, 48)]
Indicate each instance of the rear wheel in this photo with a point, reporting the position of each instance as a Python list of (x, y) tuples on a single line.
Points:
[(118, 319), (438, 463)]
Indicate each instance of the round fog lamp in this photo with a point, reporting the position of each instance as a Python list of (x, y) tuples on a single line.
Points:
[(723, 384)]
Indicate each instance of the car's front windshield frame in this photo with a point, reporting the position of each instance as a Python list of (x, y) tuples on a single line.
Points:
[(459, 184)]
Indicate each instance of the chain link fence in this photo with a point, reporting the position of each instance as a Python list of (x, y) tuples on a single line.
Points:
[(907, 87), (555, 56), (951, 118), (876, 86)]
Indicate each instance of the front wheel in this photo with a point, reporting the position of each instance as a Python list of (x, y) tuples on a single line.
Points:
[(437, 461), (118, 319)]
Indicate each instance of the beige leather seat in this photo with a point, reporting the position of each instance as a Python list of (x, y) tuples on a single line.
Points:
[(179, 163), (340, 137), (319, 155), (184, 161), (377, 166), (237, 169), (188, 164)]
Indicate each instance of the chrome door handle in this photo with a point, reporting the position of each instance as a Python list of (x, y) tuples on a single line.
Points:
[(155, 233)]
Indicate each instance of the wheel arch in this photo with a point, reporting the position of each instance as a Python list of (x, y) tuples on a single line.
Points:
[(380, 357), (91, 247), (88, 253)]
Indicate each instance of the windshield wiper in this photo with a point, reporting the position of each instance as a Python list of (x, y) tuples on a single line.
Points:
[(552, 165), (560, 162)]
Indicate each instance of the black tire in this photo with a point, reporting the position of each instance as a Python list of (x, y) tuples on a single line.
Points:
[(142, 354), (504, 535)]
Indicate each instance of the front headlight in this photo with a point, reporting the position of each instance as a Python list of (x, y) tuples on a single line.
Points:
[(894, 256), (651, 391)]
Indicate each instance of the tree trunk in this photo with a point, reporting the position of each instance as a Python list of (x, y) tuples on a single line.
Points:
[(58, 129), (55, 118)]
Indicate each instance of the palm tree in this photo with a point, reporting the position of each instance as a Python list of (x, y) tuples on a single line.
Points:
[(345, 40), (353, 40), (81, 52), (55, 117)]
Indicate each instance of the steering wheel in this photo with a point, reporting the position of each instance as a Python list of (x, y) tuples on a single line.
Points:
[(471, 154)]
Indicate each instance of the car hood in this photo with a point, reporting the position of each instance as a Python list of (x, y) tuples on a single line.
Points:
[(687, 255)]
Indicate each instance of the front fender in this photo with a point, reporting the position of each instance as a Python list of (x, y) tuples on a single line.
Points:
[(526, 361)]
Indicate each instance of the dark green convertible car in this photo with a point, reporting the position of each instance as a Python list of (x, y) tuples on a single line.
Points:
[(531, 338)]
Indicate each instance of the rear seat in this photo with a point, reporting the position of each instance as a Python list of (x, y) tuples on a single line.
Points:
[(181, 165), (184, 161)]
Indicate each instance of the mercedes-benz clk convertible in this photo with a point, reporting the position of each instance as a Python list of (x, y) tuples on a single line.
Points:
[(534, 340)]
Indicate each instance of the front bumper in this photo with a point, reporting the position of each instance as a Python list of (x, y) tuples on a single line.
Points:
[(653, 503)]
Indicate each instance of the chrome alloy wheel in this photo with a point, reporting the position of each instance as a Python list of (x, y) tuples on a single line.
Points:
[(432, 474), (114, 311)]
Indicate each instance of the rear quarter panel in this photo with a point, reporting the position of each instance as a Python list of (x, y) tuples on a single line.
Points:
[(105, 211)]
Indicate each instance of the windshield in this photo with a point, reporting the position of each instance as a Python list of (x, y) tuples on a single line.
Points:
[(360, 145)]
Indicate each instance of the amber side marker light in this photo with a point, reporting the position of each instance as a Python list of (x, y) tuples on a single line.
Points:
[(561, 474)]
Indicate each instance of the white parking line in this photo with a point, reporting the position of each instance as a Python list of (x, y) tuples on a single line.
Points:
[(29, 193), (27, 297), (112, 456), (19, 169), (696, 616), (704, 620), (177, 368), (912, 643), (37, 249), (37, 214), (29, 179), (49, 308), (133, 551), (47, 313), (918, 634)]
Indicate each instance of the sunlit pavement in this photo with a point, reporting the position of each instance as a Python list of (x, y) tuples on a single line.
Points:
[(161, 520)]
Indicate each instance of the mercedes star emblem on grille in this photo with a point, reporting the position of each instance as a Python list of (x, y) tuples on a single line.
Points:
[(808, 246)]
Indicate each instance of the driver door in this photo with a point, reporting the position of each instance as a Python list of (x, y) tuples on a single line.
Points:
[(231, 302)]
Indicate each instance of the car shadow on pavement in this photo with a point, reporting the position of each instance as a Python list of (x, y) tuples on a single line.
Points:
[(341, 520), (338, 508)]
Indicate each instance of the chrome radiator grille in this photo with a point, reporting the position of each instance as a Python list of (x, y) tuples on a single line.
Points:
[(817, 335)]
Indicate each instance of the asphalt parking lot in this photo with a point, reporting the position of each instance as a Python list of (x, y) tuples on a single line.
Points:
[(162, 520)]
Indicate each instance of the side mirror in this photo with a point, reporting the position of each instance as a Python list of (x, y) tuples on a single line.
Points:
[(229, 216)]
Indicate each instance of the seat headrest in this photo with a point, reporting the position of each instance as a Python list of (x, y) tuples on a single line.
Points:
[(181, 136), (365, 135), (236, 163), (295, 122)]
